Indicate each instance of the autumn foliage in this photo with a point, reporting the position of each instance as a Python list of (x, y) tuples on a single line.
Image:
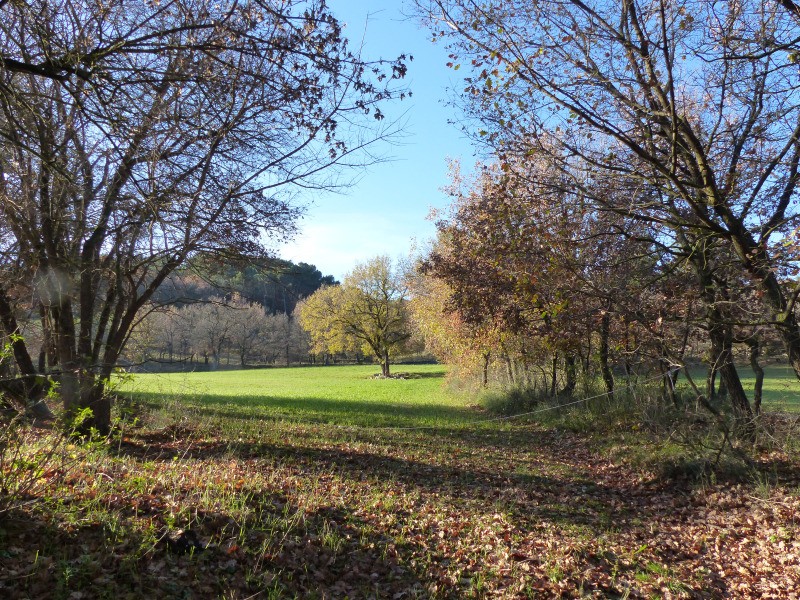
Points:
[(639, 210)]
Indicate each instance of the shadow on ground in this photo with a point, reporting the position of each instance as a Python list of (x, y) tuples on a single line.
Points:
[(481, 470), (281, 551)]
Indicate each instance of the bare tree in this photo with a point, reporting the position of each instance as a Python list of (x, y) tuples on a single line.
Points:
[(133, 135), (248, 325), (212, 335)]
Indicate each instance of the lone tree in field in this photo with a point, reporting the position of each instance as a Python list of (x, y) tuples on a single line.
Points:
[(135, 135), (368, 311)]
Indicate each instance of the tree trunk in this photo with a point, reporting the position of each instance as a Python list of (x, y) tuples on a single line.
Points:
[(790, 333), (668, 385), (554, 375), (33, 385), (722, 348), (721, 336), (385, 363), (72, 374), (626, 363), (722, 390), (486, 357), (47, 353), (711, 382), (93, 397), (525, 366), (509, 367), (570, 374), (587, 357), (755, 350), (605, 370)]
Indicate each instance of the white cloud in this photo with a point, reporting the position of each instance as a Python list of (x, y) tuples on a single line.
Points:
[(336, 243)]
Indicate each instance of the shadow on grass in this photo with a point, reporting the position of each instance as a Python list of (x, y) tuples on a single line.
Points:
[(400, 374), (319, 410), (583, 504)]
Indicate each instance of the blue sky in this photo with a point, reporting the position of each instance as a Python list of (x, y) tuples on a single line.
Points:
[(386, 208)]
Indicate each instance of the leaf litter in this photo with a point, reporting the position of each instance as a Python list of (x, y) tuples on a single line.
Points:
[(317, 512)]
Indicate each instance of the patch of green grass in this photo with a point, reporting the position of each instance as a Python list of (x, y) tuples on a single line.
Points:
[(781, 390), (342, 395), (781, 387)]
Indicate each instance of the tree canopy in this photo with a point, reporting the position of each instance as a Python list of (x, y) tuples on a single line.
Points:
[(367, 311), (675, 125), (135, 135)]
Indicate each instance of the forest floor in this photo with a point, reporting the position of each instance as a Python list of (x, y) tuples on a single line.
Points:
[(206, 495)]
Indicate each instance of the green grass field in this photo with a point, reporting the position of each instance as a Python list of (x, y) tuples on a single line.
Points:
[(349, 396), (781, 387), (340, 395)]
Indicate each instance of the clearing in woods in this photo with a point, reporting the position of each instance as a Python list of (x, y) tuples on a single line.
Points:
[(293, 483)]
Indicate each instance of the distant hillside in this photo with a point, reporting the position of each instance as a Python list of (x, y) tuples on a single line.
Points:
[(276, 284)]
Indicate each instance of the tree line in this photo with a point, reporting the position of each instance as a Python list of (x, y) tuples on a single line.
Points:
[(232, 313), (639, 201), (219, 331)]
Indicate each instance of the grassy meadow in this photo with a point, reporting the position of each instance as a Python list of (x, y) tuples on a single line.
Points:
[(340, 395), (327, 483)]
